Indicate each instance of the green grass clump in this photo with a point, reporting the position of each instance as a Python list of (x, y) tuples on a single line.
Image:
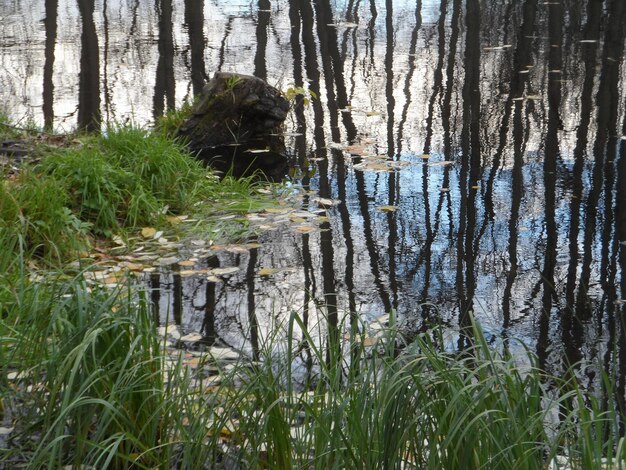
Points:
[(102, 186), (34, 213), (127, 179)]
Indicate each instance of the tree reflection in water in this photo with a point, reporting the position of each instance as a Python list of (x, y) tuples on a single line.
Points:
[(511, 206)]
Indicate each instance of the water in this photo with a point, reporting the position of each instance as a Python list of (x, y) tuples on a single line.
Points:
[(505, 120)]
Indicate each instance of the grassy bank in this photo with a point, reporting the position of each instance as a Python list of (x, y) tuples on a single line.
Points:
[(88, 189)]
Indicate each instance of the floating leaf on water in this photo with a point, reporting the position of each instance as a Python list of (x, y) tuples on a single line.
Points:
[(358, 149), (305, 215), (266, 271), (190, 272), (325, 202), (237, 249), (387, 208), (224, 271), (148, 232), (588, 41), (305, 228), (442, 163), (186, 262), (336, 146), (533, 97), (223, 354), (297, 220), (149, 269), (132, 266), (372, 113), (213, 279), (425, 156), (168, 260), (170, 330), (475, 187), (258, 150), (444, 190), (373, 166), (192, 337)]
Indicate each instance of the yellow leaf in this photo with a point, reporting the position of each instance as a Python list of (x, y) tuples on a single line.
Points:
[(148, 232), (266, 271), (186, 263), (305, 228), (387, 208)]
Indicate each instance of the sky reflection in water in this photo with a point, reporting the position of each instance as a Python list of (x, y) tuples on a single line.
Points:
[(510, 116)]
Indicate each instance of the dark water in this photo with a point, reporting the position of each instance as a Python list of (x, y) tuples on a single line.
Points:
[(517, 215)]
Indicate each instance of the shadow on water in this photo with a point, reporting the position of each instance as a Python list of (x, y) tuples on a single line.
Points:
[(501, 125)]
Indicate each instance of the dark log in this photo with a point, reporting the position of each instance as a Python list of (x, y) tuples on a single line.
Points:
[(236, 126)]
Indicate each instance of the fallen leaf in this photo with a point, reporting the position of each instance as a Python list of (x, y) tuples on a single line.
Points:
[(223, 354), (326, 202), (224, 271), (190, 272), (305, 228), (191, 337), (357, 149), (387, 208), (186, 263), (148, 232), (370, 341), (266, 271), (277, 210), (118, 240)]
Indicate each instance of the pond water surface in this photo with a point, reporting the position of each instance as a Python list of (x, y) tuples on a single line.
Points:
[(502, 126)]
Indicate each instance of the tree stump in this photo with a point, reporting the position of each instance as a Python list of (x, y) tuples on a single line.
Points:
[(236, 126)]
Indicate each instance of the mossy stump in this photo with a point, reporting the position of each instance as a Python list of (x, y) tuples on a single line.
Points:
[(236, 126)]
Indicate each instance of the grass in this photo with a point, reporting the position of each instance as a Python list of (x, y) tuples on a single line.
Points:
[(98, 387), (111, 185)]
